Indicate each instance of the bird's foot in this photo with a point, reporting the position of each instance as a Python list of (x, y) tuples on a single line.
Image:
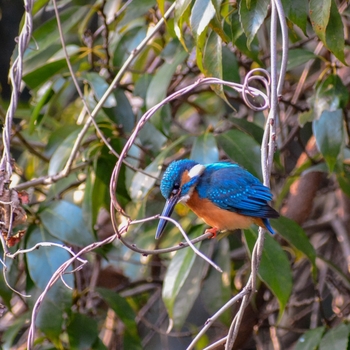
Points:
[(214, 231)]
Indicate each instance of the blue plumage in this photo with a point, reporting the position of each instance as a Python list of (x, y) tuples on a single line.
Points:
[(233, 188), (226, 186), (173, 176)]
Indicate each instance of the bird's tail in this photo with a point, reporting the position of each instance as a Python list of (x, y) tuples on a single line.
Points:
[(265, 223)]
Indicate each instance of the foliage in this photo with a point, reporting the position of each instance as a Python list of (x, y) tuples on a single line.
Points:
[(116, 297)]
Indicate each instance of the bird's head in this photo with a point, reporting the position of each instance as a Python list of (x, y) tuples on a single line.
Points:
[(178, 183)]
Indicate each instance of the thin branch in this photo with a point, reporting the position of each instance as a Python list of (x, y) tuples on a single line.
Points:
[(267, 152), (213, 318), (30, 148), (216, 267), (16, 73), (244, 89), (48, 179), (103, 99), (45, 244)]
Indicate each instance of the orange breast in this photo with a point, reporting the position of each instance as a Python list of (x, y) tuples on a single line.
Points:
[(220, 218)]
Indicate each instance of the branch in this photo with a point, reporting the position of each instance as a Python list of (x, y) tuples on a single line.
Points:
[(16, 72), (267, 152)]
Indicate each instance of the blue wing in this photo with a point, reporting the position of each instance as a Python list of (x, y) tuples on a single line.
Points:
[(233, 188)]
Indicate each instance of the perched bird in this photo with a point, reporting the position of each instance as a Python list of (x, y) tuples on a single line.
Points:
[(223, 194)]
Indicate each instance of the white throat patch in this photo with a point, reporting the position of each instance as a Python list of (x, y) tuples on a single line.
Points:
[(197, 170), (184, 198)]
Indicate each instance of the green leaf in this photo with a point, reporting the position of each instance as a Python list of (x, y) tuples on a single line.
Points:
[(252, 51), (327, 24), (343, 177), (82, 331), (202, 13), (212, 65), (335, 33), (47, 34), (122, 114), (8, 338), (332, 94), (5, 292), (230, 69), (59, 298), (216, 290), (129, 40), (56, 138), (233, 26), (205, 149), (44, 73), (38, 5), (306, 117), (336, 338), (50, 318), (212, 61), (328, 130), (174, 55), (217, 5), (160, 4), (126, 314), (93, 200), (310, 340), (296, 11), (37, 115), (243, 149), (296, 236), (61, 102), (274, 268), (141, 183), (252, 17), (331, 97), (182, 281), (319, 15), (62, 153), (297, 57), (50, 257), (157, 89), (200, 45), (103, 168), (249, 128), (99, 87), (217, 24), (135, 9), (152, 138), (64, 220), (181, 8)]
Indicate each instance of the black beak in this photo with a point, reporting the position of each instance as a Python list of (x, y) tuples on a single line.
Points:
[(167, 211)]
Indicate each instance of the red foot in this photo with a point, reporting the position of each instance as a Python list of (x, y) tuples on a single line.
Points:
[(213, 232)]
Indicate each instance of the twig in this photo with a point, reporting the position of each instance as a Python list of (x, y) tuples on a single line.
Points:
[(244, 89), (267, 152), (45, 244), (216, 267), (145, 252), (29, 250), (16, 73), (48, 179), (213, 318), (343, 239), (103, 99), (63, 269)]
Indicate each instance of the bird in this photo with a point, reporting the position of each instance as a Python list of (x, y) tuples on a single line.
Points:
[(223, 194)]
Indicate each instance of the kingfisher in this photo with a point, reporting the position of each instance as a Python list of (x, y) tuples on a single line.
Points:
[(223, 194)]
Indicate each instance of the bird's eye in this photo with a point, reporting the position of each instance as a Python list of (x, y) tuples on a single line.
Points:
[(176, 188)]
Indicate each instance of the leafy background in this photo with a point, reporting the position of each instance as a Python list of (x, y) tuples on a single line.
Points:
[(121, 298)]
